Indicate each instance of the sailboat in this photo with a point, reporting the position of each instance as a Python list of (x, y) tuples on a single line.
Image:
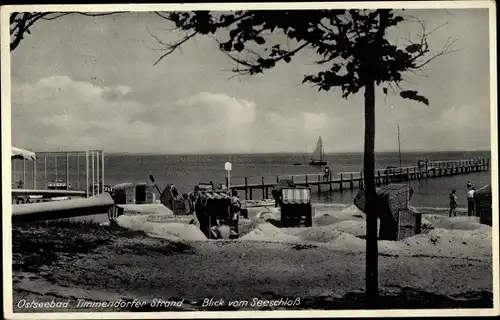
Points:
[(318, 156)]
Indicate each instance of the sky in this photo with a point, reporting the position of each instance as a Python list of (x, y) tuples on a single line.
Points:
[(90, 83)]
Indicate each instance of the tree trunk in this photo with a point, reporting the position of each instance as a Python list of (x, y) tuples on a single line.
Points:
[(371, 199)]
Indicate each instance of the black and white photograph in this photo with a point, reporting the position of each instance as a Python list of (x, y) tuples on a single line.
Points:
[(249, 160)]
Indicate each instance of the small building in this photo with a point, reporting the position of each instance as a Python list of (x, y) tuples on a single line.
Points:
[(134, 193), (296, 208), (483, 204), (144, 193)]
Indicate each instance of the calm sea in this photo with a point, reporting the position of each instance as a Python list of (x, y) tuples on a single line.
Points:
[(185, 171)]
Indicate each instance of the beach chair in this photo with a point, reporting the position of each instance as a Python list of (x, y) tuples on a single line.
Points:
[(175, 202), (483, 205), (296, 208), (276, 192), (213, 210), (397, 219)]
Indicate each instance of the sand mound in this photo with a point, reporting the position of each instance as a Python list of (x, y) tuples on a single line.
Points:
[(319, 234), (254, 212), (332, 238), (331, 215), (268, 233), (174, 231), (355, 227), (454, 223), (268, 213), (444, 243)]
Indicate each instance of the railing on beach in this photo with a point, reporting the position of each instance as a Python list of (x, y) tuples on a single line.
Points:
[(60, 173), (354, 179)]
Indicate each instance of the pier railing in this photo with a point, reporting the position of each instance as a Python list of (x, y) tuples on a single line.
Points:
[(355, 178)]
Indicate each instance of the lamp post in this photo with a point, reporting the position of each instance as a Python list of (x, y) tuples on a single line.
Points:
[(228, 166)]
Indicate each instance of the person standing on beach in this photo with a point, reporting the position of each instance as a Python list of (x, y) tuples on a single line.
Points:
[(453, 203), (470, 201)]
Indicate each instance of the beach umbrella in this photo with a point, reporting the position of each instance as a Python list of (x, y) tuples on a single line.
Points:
[(18, 153)]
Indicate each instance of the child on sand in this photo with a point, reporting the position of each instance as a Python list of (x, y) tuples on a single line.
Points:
[(453, 203)]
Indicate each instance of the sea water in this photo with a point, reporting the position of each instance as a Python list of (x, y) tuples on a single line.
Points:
[(186, 171)]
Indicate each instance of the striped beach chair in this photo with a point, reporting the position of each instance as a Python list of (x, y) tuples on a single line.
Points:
[(296, 208)]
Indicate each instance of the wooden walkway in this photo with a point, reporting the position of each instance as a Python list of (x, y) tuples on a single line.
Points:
[(351, 180)]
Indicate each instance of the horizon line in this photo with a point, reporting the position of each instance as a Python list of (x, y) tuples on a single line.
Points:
[(282, 152)]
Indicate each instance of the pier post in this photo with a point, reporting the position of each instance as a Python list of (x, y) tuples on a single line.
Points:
[(351, 182), (341, 184), (361, 184), (98, 171), (307, 184), (67, 171), (330, 180), (87, 172), (267, 192), (246, 188), (102, 169), (93, 173), (319, 183), (378, 178), (78, 171), (263, 189), (34, 174), (45, 170)]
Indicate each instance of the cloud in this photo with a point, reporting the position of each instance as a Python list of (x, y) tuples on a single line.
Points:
[(57, 113), (118, 100)]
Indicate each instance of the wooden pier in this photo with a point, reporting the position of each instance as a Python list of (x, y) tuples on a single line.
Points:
[(351, 180)]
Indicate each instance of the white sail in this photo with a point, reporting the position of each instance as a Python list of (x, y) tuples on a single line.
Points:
[(318, 151)]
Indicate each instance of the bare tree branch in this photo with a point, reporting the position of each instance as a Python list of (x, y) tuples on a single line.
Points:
[(21, 22), (172, 47)]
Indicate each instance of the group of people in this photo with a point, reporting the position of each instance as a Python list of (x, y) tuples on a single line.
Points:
[(470, 200)]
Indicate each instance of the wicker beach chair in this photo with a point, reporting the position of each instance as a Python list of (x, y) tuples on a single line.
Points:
[(397, 219)]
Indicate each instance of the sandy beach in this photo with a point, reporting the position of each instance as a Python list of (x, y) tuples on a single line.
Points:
[(148, 257)]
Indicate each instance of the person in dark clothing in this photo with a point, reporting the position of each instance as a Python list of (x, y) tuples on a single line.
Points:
[(469, 185), (453, 203), (175, 193), (470, 201), (326, 174), (235, 209), (202, 215)]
